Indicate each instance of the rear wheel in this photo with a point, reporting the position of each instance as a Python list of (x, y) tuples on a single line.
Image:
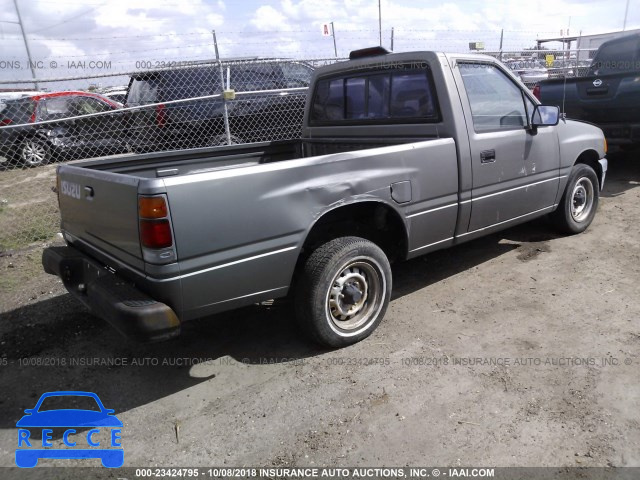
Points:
[(34, 152), (343, 291), (579, 202)]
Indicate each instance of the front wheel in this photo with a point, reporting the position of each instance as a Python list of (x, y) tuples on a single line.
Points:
[(343, 291), (579, 202)]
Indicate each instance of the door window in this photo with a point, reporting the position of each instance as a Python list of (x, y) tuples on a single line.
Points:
[(88, 105), (496, 101), (56, 107)]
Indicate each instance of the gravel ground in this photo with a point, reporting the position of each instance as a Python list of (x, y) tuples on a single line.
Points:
[(519, 349)]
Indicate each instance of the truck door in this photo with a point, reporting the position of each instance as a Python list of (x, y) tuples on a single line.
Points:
[(515, 169)]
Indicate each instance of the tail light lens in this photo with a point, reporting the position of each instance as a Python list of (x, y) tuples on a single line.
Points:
[(161, 115), (155, 233), (155, 228), (5, 121), (536, 91), (152, 207)]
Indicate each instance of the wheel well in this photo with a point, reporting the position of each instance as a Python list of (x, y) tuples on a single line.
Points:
[(591, 157), (374, 221)]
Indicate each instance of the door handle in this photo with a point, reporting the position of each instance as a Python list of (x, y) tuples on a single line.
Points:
[(487, 156), (598, 91)]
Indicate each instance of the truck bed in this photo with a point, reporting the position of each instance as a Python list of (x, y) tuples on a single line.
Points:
[(203, 160), (231, 204)]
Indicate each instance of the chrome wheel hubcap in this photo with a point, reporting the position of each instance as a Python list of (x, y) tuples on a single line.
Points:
[(582, 199), (355, 295)]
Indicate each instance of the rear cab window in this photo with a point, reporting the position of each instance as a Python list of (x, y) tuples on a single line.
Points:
[(401, 95)]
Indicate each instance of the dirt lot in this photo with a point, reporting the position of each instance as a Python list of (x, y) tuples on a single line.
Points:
[(520, 349)]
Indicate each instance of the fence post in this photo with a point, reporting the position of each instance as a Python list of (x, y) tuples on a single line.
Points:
[(225, 113)]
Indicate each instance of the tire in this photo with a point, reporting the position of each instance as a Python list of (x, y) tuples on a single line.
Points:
[(34, 152), (347, 267), (579, 202)]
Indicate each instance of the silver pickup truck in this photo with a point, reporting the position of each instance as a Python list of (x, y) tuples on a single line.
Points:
[(400, 155)]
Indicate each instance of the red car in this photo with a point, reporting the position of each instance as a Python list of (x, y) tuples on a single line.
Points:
[(25, 141)]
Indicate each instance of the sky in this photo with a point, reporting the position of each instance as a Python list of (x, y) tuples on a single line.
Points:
[(75, 38)]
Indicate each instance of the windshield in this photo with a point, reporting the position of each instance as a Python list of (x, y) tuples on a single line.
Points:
[(67, 402)]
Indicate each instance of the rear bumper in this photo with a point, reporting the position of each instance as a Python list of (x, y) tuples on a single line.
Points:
[(621, 134), (110, 297)]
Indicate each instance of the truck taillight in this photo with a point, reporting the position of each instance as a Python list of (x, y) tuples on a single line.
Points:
[(155, 233), (161, 115), (536, 91), (5, 121), (155, 228), (152, 207)]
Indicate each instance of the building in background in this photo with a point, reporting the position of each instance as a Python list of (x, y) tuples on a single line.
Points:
[(586, 44)]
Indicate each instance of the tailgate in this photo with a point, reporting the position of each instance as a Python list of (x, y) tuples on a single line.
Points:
[(101, 209), (609, 99), (599, 100)]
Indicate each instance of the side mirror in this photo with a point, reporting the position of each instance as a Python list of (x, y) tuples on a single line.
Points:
[(545, 115)]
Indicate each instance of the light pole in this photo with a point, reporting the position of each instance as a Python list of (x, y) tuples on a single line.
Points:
[(626, 11), (380, 20), (26, 44)]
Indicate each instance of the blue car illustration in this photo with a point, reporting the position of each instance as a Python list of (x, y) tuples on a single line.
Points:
[(42, 417)]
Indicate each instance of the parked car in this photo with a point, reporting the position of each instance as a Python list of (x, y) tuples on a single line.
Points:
[(25, 141), (261, 116), (529, 71), (401, 155), (607, 95)]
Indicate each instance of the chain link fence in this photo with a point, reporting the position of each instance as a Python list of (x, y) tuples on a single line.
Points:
[(534, 66), (181, 105)]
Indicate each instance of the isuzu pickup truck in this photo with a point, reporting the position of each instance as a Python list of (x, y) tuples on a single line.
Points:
[(401, 154)]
